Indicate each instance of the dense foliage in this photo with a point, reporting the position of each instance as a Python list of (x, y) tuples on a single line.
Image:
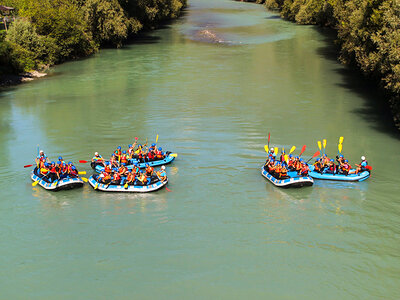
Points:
[(368, 34), (52, 31)]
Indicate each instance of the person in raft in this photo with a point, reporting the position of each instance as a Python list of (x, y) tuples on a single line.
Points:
[(162, 175), (97, 159), (331, 167), (345, 167), (362, 166), (41, 159)]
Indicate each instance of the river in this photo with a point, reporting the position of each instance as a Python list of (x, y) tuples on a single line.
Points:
[(211, 85)]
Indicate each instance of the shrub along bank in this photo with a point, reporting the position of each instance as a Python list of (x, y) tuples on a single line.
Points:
[(368, 33), (48, 32)]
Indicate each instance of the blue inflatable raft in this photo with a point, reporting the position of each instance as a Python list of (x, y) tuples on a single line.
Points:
[(294, 180), (339, 177), (153, 186), (62, 184), (168, 159)]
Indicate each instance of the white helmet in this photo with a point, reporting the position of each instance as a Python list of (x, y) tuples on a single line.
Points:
[(162, 167), (41, 151), (96, 153), (363, 157), (272, 149)]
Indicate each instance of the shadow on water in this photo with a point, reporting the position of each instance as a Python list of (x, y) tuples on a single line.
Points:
[(376, 110), (274, 17)]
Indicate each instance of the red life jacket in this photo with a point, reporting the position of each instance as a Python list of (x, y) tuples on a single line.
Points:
[(116, 177)]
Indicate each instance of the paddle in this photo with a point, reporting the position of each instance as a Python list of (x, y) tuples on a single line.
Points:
[(276, 151), (36, 182), (319, 145), (156, 138), (369, 168), (287, 159), (174, 154), (83, 161), (341, 140), (27, 166), (269, 137), (84, 179), (168, 189), (324, 144), (302, 150), (314, 156), (266, 148), (125, 185), (340, 147), (82, 173), (292, 149)]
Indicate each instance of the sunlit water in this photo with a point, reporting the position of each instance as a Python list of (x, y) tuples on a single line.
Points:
[(212, 85)]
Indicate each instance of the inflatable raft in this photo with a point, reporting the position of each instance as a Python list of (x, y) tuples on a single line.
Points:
[(168, 159), (339, 177), (294, 180), (154, 185), (62, 184)]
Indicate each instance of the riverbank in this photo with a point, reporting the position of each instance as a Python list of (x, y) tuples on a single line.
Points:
[(367, 34), (44, 34)]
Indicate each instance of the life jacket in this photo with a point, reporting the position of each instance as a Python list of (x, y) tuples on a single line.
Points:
[(282, 158), (304, 170), (74, 173), (122, 170), (44, 170), (107, 169), (97, 158), (53, 169), (124, 159), (130, 177), (150, 155), (116, 177), (317, 166), (283, 172), (143, 177), (159, 154), (149, 171), (106, 176), (345, 166)]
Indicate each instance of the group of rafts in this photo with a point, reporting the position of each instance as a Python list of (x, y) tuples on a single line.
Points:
[(288, 170), (130, 170)]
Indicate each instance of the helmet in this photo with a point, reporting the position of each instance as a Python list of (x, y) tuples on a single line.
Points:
[(135, 164), (107, 163), (272, 149), (363, 157), (60, 157), (346, 161), (46, 164), (73, 168), (159, 148), (41, 151), (340, 155), (53, 163), (119, 147), (96, 153), (290, 155), (297, 157), (147, 165), (140, 145), (162, 167), (332, 160), (318, 159), (124, 164), (64, 164), (124, 152), (130, 145), (301, 159), (153, 145)]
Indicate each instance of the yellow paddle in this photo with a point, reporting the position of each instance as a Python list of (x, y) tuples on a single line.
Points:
[(84, 179), (174, 155), (156, 138), (82, 173), (266, 148), (126, 185), (287, 159), (35, 183), (276, 151), (292, 149), (340, 147), (341, 140), (324, 144), (319, 145), (96, 186)]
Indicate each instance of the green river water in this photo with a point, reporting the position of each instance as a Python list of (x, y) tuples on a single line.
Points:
[(212, 85)]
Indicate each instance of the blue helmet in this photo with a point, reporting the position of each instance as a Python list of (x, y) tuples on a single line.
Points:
[(153, 145), (147, 165), (70, 162), (60, 157), (135, 164), (318, 159), (297, 157), (301, 159), (346, 161), (140, 145), (124, 164), (159, 148), (119, 147), (290, 155), (107, 163), (332, 160), (340, 155), (46, 164), (73, 168), (64, 164), (124, 152), (53, 163)]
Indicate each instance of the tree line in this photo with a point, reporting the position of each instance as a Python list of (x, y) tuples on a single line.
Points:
[(368, 33), (47, 32)]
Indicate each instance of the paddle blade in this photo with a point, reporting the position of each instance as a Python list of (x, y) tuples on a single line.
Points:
[(319, 145), (341, 140), (83, 161), (340, 147), (35, 183), (318, 153), (126, 185), (156, 138), (369, 168), (27, 166), (84, 179), (168, 189), (292, 149), (266, 148), (302, 150), (136, 138), (324, 143), (174, 155), (96, 186), (276, 151), (287, 158), (269, 137), (82, 173)]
